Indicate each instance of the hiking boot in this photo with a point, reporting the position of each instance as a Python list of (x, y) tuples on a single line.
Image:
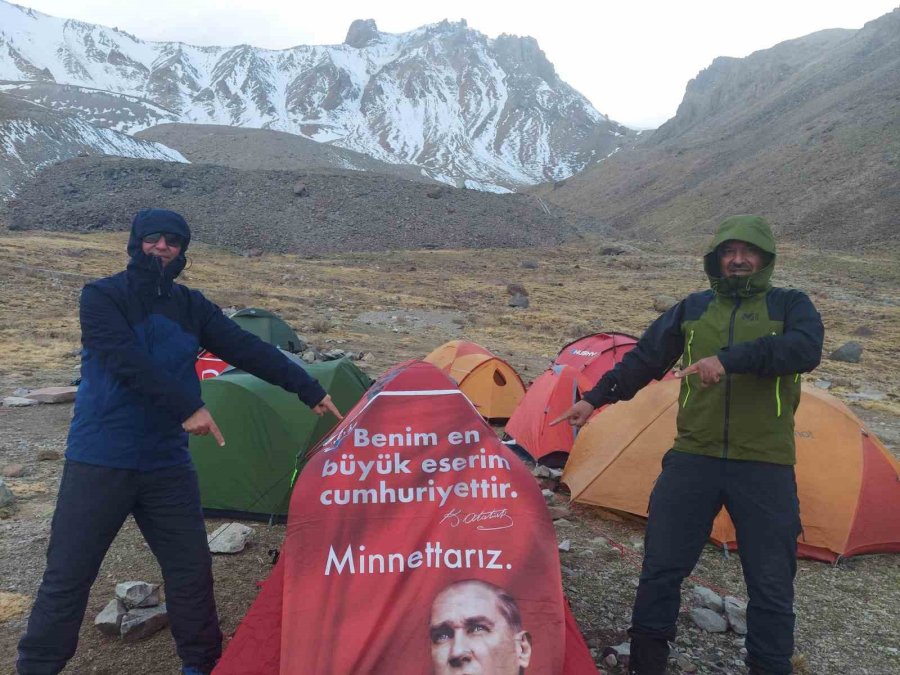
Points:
[(649, 656)]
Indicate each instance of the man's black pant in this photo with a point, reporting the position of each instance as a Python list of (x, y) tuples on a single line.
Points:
[(761, 499), (93, 503)]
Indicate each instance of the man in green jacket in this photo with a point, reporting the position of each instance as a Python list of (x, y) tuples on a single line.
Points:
[(743, 345)]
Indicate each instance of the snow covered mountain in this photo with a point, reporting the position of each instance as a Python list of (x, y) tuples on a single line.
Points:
[(469, 110), (32, 137)]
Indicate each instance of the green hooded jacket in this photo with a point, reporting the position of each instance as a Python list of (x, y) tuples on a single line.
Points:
[(764, 337)]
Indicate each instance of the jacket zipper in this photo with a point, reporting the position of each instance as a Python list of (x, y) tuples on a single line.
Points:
[(728, 382), (687, 380)]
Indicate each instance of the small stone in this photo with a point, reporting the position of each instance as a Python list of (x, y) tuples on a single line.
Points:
[(309, 356), (709, 620), (18, 402), (549, 495), (229, 538), (562, 522), (864, 331), (685, 664), (708, 598), (519, 301), (850, 352), (736, 613), (13, 471), (48, 455), (623, 649), (54, 394), (300, 189), (565, 545), (516, 289), (822, 384), (663, 303), (141, 623), (6, 496), (611, 660), (540, 471), (529, 264), (109, 621), (135, 594)]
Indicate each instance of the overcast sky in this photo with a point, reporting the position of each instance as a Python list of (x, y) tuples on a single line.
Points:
[(631, 60)]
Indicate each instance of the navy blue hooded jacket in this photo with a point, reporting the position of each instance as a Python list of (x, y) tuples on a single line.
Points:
[(140, 333)]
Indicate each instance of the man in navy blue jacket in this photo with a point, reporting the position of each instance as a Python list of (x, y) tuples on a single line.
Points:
[(127, 451)]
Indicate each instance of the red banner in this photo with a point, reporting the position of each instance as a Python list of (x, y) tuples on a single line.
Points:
[(417, 543)]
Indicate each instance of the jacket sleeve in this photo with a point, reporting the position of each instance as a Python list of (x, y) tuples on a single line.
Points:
[(797, 350), (231, 343), (106, 332), (654, 354)]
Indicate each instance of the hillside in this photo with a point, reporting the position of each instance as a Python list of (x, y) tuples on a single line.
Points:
[(285, 211), (807, 132), (32, 136), (250, 149)]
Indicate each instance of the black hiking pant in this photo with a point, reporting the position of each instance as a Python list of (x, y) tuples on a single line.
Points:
[(93, 503), (761, 499)]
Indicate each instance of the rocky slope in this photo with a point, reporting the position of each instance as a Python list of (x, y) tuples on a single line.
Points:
[(32, 137), (473, 111), (807, 132), (286, 211)]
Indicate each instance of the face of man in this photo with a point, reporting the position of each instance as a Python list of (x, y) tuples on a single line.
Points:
[(470, 635), (739, 258), (164, 246)]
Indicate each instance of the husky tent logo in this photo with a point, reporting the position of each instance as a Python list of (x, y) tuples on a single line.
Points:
[(584, 352)]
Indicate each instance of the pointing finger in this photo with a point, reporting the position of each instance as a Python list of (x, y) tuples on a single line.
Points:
[(214, 428)]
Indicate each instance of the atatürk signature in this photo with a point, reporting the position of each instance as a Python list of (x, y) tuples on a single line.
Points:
[(493, 519)]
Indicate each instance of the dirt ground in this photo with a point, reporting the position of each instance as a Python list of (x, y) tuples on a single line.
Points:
[(400, 305)]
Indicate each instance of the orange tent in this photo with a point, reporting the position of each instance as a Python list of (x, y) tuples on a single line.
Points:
[(492, 385), (847, 481), (548, 397)]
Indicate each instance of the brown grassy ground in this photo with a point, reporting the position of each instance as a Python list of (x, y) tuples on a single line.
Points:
[(414, 301)]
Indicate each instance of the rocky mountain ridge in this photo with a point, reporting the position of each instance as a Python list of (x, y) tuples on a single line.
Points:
[(807, 133), (469, 110)]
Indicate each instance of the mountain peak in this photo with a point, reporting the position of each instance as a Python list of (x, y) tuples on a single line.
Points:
[(361, 33)]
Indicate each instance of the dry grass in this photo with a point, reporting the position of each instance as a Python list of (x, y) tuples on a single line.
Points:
[(574, 290)]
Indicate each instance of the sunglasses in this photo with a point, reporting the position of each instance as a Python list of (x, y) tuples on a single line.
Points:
[(173, 240)]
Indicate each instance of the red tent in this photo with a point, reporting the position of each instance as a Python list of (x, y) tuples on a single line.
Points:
[(593, 355), (410, 516), (548, 397)]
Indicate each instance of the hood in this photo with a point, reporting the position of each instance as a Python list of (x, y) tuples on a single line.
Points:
[(147, 270), (753, 230)]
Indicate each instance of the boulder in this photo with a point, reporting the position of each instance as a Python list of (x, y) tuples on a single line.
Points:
[(135, 594), (229, 538), (141, 623), (13, 471), (709, 620), (849, 352), (54, 394), (109, 621)]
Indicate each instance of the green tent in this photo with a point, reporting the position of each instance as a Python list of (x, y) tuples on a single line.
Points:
[(267, 434), (269, 327)]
